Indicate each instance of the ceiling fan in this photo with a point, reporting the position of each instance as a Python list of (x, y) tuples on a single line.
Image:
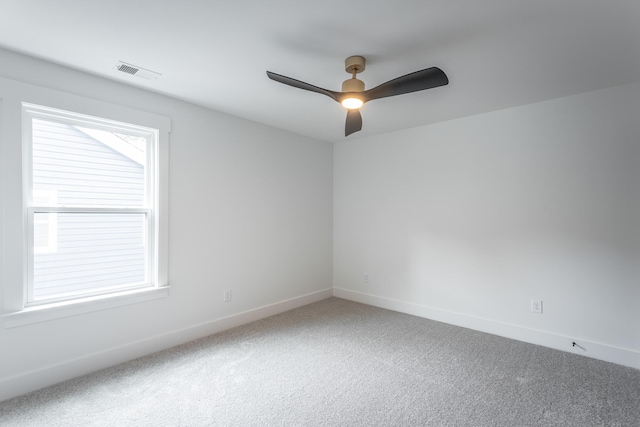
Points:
[(353, 95)]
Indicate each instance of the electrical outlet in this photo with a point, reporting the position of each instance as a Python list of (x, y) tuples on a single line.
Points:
[(536, 306), (227, 295)]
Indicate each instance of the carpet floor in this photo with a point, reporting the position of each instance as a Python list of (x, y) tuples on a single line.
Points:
[(340, 363)]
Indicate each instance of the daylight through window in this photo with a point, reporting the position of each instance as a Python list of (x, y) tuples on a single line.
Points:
[(91, 205)]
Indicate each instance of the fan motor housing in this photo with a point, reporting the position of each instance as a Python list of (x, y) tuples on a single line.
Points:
[(352, 85)]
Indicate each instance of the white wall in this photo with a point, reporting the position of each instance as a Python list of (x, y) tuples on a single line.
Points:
[(250, 210), (466, 221)]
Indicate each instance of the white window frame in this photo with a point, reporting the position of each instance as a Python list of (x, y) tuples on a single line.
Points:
[(14, 308), (30, 112)]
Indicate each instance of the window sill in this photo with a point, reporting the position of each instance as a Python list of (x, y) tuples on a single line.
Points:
[(47, 312)]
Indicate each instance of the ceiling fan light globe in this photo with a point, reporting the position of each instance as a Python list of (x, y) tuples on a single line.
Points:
[(352, 103)]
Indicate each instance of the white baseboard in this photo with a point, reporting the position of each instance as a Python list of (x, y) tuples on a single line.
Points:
[(30, 381), (591, 349)]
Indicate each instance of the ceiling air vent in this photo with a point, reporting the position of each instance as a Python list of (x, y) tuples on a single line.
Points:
[(137, 71)]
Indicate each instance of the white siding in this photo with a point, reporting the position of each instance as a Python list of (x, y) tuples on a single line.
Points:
[(82, 170), (90, 251)]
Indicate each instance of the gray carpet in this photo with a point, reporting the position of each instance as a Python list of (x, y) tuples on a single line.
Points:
[(339, 363)]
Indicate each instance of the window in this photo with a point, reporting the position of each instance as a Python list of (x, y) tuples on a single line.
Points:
[(91, 206)]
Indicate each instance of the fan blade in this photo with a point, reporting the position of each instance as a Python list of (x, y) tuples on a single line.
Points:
[(354, 122), (302, 85), (419, 80)]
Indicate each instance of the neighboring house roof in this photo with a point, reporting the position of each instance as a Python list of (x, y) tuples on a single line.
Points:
[(130, 147)]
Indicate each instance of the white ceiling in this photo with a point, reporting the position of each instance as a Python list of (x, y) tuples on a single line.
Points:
[(497, 53)]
